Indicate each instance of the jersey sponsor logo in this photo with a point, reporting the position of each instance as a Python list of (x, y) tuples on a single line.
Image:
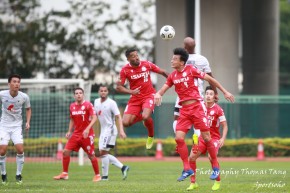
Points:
[(143, 74), (78, 113), (10, 107), (180, 80)]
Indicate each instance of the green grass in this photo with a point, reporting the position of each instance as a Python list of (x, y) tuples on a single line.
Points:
[(152, 177)]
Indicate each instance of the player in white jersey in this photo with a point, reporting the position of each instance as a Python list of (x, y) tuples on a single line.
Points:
[(107, 112), (12, 101), (202, 64)]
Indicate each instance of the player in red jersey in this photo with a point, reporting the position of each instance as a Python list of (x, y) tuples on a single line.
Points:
[(137, 72), (185, 78), (216, 117), (82, 118)]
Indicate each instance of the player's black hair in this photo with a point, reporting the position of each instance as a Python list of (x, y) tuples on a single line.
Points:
[(182, 53), (13, 76), (208, 88), (103, 85), (79, 88), (129, 50)]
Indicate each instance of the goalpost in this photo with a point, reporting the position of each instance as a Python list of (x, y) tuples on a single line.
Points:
[(50, 100)]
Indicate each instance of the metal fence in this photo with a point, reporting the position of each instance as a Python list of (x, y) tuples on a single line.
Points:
[(249, 116)]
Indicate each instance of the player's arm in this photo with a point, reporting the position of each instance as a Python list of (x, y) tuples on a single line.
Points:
[(224, 125), (120, 85), (159, 94), (213, 87), (87, 130), (70, 128), (28, 118), (122, 133), (121, 88), (228, 96), (163, 73)]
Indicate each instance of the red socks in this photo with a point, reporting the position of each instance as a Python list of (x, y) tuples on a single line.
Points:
[(183, 152), (193, 167), (211, 151), (65, 163), (149, 124), (95, 165)]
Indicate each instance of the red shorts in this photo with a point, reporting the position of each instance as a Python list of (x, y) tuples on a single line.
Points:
[(202, 146), (76, 142), (136, 105), (192, 114)]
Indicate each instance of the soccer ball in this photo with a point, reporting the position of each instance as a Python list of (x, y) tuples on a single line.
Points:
[(167, 32)]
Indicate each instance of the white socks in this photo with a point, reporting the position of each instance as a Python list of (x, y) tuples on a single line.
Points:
[(106, 160), (115, 161), (3, 164), (105, 165), (19, 163)]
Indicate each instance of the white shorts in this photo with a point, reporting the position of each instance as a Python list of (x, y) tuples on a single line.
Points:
[(176, 107), (107, 142), (11, 133)]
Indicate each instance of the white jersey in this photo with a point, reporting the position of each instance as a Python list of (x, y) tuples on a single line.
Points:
[(202, 64), (12, 108), (106, 112)]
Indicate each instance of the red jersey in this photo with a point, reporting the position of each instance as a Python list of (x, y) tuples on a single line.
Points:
[(139, 76), (215, 116), (81, 116), (186, 83)]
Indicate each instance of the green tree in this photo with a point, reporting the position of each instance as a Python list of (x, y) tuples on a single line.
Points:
[(24, 38), (75, 43)]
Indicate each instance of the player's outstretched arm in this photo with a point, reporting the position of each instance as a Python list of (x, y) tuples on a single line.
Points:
[(159, 94), (214, 88), (228, 96), (163, 73)]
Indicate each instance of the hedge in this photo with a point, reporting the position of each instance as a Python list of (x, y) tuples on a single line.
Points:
[(244, 147)]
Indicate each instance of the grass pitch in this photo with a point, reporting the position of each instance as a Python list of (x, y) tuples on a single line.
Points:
[(153, 177)]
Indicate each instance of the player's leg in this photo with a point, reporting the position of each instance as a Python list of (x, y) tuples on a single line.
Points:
[(212, 152), (147, 110), (3, 150), (17, 139), (19, 162), (4, 140), (183, 125), (106, 142), (88, 146), (71, 145), (192, 162), (196, 151), (132, 113), (217, 182), (198, 116)]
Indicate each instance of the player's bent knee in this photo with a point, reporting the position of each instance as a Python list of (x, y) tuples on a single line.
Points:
[(206, 136), (66, 153)]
